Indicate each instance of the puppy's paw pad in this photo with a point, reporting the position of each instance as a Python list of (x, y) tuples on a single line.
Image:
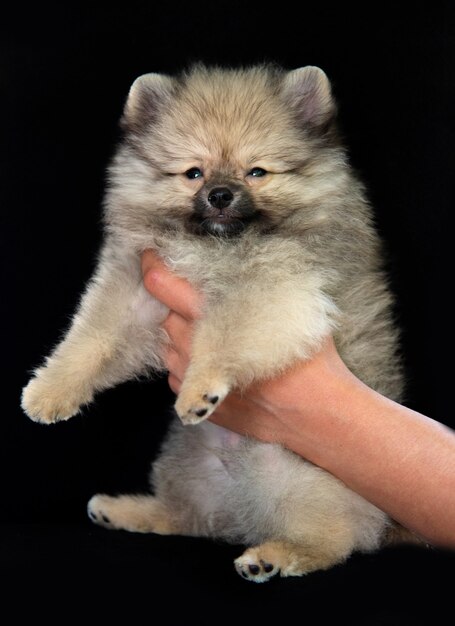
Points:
[(211, 399), (253, 568), (193, 406)]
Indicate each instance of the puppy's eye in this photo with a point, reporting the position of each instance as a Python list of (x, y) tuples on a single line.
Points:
[(193, 172), (257, 172)]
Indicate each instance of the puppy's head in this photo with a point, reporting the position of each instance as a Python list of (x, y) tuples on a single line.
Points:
[(215, 151)]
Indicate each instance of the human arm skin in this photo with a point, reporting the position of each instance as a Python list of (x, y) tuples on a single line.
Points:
[(400, 460)]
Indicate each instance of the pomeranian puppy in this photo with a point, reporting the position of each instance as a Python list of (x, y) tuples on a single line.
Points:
[(238, 179)]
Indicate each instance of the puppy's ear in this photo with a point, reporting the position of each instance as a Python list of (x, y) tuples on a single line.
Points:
[(148, 94), (307, 91)]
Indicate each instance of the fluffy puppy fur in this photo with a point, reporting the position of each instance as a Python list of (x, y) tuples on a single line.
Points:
[(238, 179)]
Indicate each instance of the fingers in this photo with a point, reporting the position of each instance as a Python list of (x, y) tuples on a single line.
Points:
[(150, 260), (177, 356), (175, 292), (179, 330), (174, 364), (174, 383), (184, 304)]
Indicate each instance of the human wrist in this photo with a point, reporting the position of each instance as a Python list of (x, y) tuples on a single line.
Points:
[(318, 414)]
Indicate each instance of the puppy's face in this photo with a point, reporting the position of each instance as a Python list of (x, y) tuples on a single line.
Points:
[(217, 151)]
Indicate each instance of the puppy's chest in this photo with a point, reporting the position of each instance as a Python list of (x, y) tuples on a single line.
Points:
[(211, 262), (205, 265)]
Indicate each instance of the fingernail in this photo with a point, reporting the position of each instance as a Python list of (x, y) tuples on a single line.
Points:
[(152, 278)]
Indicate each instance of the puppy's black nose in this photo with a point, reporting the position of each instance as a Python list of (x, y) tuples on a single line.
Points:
[(220, 197)]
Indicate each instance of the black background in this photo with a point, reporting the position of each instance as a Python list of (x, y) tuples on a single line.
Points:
[(65, 71)]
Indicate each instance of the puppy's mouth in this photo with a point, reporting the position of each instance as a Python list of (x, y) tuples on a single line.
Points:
[(227, 221), (222, 222)]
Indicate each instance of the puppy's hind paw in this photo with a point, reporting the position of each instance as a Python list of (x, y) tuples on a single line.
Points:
[(98, 508), (194, 405), (251, 567)]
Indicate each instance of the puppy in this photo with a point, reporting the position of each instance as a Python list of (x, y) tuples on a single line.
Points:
[(238, 179)]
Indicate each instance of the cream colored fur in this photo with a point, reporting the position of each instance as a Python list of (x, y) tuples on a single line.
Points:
[(293, 258)]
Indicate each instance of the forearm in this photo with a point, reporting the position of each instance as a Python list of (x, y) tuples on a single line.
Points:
[(396, 458)]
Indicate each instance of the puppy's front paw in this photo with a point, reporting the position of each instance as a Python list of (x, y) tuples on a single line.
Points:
[(197, 402), (49, 401)]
